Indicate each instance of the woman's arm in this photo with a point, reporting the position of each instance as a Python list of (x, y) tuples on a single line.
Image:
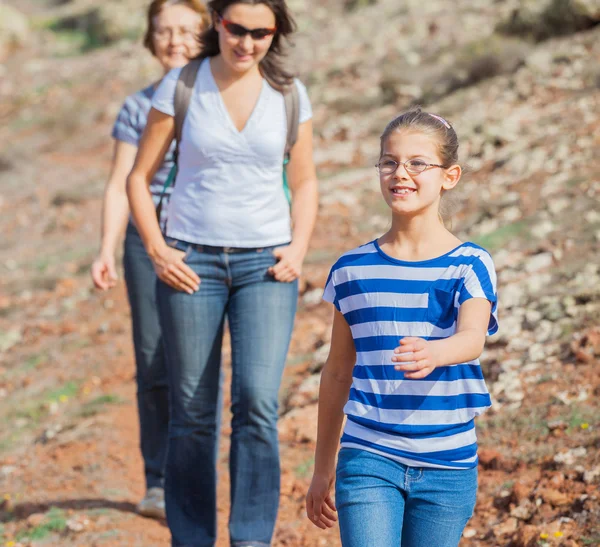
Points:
[(336, 380), (302, 178), (115, 212), (421, 357), (168, 262)]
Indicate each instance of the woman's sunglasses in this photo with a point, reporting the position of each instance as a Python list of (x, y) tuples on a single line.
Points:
[(238, 30)]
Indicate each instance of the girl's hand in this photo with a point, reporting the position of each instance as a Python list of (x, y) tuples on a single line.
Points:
[(320, 508), (418, 358), (104, 272), (289, 265), (170, 268)]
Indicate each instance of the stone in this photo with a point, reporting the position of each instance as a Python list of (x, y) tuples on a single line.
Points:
[(569, 457), (14, 29), (539, 262), (307, 392), (523, 511)]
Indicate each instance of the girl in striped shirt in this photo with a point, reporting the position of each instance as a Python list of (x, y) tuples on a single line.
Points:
[(412, 310)]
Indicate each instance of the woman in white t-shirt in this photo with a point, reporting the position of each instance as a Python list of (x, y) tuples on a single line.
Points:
[(233, 248)]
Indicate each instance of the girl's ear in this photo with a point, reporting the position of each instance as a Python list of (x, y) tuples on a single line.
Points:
[(451, 177)]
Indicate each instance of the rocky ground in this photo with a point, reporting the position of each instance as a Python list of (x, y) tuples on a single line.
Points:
[(520, 82)]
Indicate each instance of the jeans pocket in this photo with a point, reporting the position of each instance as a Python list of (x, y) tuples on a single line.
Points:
[(180, 246)]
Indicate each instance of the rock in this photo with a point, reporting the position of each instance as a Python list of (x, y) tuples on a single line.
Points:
[(469, 533), (106, 23), (592, 474), (521, 492), (543, 19), (569, 457), (9, 338), (527, 536), (523, 511), (539, 262), (306, 393), (14, 29), (554, 497), (313, 297), (490, 458), (299, 425), (508, 527), (319, 358), (588, 8)]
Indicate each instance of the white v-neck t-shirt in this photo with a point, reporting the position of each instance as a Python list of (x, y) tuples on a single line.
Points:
[(229, 189)]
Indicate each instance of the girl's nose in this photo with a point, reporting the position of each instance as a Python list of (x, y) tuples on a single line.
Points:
[(246, 42)]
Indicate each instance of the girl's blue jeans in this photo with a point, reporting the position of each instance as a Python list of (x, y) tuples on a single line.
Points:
[(384, 503), (260, 313)]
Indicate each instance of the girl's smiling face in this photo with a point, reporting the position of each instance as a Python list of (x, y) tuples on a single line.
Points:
[(409, 194)]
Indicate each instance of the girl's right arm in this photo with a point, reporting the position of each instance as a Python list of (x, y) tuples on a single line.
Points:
[(168, 262), (336, 380)]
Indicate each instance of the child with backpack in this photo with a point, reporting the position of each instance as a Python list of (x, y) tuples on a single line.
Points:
[(412, 309), (233, 249)]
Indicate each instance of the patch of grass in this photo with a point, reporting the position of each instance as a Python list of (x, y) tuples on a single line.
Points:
[(503, 235), (544, 378), (594, 540), (55, 521), (304, 468), (91, 408), (68, 390)]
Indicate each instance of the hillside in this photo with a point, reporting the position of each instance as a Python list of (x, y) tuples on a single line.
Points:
[(520, 82)]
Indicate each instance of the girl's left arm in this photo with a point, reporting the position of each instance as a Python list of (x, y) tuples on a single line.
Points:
[(302, 179), (418, 357)]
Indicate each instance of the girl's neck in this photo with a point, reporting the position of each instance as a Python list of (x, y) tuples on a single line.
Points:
[(224, 76), (417, 238)]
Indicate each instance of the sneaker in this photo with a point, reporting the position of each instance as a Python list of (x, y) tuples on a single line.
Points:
[(153, 504)]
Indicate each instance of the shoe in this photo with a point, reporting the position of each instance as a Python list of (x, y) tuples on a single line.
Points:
[(153, 504)]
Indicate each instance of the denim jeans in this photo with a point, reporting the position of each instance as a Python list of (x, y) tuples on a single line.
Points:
[(260, 313), (151, 373), (384, 503)]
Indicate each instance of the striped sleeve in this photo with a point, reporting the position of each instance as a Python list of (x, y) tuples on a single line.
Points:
[(480, 282), (329, 294), (126, 125)]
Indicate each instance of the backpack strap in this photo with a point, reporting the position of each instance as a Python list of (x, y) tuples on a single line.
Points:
[(183, 95), (292, 114)]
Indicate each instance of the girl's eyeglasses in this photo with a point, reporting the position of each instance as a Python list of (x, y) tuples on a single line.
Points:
[(389, 167), (239, 31)]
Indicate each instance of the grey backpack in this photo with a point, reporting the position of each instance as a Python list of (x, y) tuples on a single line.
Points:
[(183, 94)]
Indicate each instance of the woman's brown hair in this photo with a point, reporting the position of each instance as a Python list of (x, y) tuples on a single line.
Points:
[(156, 6), (271, 67)]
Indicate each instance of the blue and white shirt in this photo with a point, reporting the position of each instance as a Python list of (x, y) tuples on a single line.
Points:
[(421, 423), (129, 127)]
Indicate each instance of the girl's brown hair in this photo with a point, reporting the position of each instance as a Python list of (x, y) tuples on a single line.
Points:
[(271, 66), (430, 124), (156, 6)]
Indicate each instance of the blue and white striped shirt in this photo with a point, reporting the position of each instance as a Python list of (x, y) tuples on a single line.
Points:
[(421, 423), (129, 127)]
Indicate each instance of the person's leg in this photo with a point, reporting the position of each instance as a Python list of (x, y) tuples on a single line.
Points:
[(193, 331), (261, 316), (151, 373), (439, 504), (368, 499)]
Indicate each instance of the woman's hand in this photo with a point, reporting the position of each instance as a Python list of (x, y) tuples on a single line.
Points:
[(170, 268), (418, 357), (289, 263), (320, 508), (104, 272)]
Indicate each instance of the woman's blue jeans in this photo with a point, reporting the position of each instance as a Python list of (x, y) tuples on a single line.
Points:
[(150, 362), (260, 313), (384, 503)]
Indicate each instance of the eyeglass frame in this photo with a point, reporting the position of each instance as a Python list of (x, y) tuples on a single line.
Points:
[(226, 23), (168, 34), (399, 163)]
